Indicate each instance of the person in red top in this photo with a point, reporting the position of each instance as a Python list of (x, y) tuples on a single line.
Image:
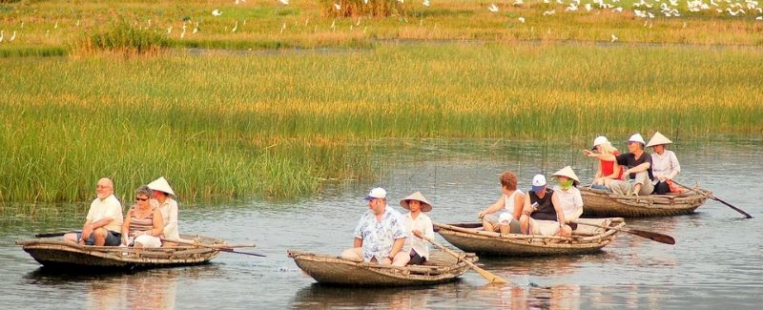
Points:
[(608, 168)]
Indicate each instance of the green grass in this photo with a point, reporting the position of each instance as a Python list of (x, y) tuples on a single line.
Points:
[(280, 125)]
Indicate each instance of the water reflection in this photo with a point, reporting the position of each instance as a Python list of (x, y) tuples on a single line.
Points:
[(318, 296)]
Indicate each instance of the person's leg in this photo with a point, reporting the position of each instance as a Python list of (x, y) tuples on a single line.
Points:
[(354, 254), (620, 187), (566, 231), (113, 239), (661, 188), (416, 259), (643, 184), (100, 236), (524, 224), (489, 222), (401, 259), (72, 237)]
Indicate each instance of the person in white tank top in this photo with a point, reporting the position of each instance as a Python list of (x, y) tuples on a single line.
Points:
[(503, 214)]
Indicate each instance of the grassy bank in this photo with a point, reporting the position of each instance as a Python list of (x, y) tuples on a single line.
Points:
[(266, 24), (279, 125)]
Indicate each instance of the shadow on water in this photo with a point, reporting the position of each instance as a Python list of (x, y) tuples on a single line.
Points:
[(318, 296)]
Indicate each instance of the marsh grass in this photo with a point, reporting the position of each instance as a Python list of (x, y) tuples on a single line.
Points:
[(283, 125), (122, 38)]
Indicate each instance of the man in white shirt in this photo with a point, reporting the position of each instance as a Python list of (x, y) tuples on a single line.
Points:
[(104, 219)]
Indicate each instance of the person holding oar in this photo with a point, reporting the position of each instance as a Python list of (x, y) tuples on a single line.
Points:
[(104, 219), (569, 198), (164, 200), (380, 234), (665, 165), (418, 226)]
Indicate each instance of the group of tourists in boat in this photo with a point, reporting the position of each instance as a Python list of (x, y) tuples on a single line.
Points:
[(386, 237), (151, 222)]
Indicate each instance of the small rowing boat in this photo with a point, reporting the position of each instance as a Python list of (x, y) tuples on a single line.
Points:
[(326, 269), (63, 255), (604, 203), (470, 237)]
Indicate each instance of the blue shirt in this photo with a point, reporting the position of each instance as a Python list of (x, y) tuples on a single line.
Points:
[(379, 236)]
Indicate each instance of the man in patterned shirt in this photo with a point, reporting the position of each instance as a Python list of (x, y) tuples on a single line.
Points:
[(380, 234)]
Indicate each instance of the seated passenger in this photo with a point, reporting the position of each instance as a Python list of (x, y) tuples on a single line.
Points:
[(143, 224), (418, 226), (380, 234), (542, 213), (504, 214), (608, 169), (639, 170), (665, 165), (569, 198), (104, 219), (164, 200)]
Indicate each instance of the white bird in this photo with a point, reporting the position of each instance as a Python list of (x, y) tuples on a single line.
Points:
[(588, 7), (2, 35), (759, 18), (425, 3), (182, 33), (169, 30), (78, 23), (55, 26), (216, 13), (618, 9), (518, 2), (195, 28), (493, 8), (333, 25), (614, 38), (521, 19), (284, 2), (283, 27), (235, 27), (13, 37), (337, 6), (549, 13)]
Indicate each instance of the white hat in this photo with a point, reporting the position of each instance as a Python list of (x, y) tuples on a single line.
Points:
[(426, 206), (161, 185), (505, 218), (636, 137), (658, 139), (539, 182), (599, 141), (377, 193), (567, 172)]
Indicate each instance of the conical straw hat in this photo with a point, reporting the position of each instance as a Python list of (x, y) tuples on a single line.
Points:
[(658, 139), (426, 206), (567, 172), (161, 185)]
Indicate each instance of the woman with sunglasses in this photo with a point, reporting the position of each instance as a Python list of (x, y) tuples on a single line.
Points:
[(143, 224)]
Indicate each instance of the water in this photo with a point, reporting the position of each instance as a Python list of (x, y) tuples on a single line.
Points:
[(716, 262)]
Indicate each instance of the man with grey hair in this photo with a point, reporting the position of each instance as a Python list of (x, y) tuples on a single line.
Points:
[(639, 170), (104, 219)]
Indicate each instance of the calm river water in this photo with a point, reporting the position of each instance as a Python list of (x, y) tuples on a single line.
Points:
[(716, 263)]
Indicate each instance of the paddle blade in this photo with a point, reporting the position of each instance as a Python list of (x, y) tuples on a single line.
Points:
[(653, 235), (489, 276)]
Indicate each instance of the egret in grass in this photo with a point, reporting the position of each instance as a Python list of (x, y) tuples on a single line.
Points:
[(235, 27), (284, 2), (614, 38), (759, 18), (518, 2), (283, 27), (425, 3), (2, 35), (493, 8), (337, 6), (549, 13), (78, 23), (521, 20), (196, 28), (169, 30), (217, 12), (13, 37), (182, 34)]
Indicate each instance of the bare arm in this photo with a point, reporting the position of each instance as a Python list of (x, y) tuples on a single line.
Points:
[(640, 168), (126, 226), (558, 207), (399, 242), (158, 224), (357, 243), (493, 208), (518, 205), (102, 222)]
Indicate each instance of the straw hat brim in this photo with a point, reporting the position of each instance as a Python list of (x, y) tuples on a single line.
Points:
[(658, 139), (161, 185), (426, 206), (567, 172)]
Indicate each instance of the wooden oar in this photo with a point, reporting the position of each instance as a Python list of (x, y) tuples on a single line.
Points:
[(55, 234), (221, 247), (641, 233), (484, 273), (716, 199)]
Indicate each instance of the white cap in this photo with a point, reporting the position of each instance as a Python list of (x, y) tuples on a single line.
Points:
[(539, 182), (637, 138), (505, 218), (377, 193), (599, 141)]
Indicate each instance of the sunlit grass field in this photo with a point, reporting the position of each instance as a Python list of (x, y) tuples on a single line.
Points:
[(283, 123)]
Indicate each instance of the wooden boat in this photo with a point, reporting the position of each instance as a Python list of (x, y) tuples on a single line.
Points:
[(470, 237), (326, 269), (605, 203), (58, 254)]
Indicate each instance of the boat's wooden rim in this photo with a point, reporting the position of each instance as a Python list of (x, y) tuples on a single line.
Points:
[(429, 270), (552, 241)]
